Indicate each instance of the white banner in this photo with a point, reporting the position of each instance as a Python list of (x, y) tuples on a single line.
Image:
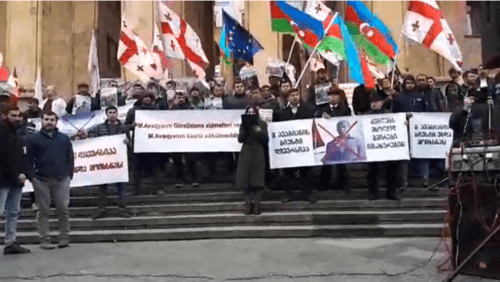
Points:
[(347, 139), (70, 125), (100, 160), (430, 135), (187, 131)]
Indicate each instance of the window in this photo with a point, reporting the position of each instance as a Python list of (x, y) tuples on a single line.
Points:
[(473, 18), (108, 36)]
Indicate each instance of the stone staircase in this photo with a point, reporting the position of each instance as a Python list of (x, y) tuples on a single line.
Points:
[(213, 211)]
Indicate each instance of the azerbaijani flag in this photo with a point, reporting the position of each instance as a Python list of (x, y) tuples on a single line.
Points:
[(224, 49), (279, 23), (370, 33), (307, 28), (338, 45)]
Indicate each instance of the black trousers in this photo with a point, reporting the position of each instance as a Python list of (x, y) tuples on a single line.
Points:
[(103, 198), (393, 176), (192, 169), (342, 176), (146, 163), (291, 184)]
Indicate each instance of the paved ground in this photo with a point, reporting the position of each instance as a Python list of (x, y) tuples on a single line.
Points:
[(311, 260)]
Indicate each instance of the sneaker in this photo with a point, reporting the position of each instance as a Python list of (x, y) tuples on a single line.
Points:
[(46, 245), (178, 185), (14, 249), (63, 242), (34, 207), (99, 214), (195, 184)]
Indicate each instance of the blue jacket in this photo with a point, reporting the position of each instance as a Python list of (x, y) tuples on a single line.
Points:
[(49, 157)]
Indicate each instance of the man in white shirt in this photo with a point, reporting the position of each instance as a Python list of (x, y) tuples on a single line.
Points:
[(52, 103)]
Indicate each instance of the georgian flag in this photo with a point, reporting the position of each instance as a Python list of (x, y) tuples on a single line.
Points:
[(425, 24), (158, 54), (13, 83), (135, 56), (179, 38)]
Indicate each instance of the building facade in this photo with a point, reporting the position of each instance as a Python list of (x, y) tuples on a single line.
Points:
[(54, 36)]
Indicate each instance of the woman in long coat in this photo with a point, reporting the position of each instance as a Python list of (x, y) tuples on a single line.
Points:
[(250, 173)]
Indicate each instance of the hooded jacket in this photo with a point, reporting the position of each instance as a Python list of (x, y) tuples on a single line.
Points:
[(410, 101)]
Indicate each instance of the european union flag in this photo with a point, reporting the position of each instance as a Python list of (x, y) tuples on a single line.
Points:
[(240, 41)]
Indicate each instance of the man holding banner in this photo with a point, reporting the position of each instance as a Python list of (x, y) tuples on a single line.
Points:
[(144, 162), (335, 108), (112, 126), (297, 110), (50, 164), (377, 103)]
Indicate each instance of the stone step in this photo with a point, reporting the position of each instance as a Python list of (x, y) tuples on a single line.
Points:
[(234, 195), (336, 231), (267, 206), (274, 218), (224, 186)]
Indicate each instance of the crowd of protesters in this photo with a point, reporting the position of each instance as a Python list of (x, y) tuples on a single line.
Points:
[(45, 158)]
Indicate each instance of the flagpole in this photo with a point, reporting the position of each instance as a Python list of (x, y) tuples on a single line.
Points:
[(314, 51), (397, 52), (291, 50)]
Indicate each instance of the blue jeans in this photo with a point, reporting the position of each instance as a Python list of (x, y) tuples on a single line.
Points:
[(10, 201)]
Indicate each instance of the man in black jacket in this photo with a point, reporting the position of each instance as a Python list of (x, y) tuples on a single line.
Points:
[(112, 126), (392, 173), (322, 78), (145, 162), (474, 119), (335, 108), (297, 110), (361, 99), (12, 176), (50, 165)]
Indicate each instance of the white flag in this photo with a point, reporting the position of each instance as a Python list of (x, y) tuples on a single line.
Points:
[(38, 87), (93, 66), (425, 24)]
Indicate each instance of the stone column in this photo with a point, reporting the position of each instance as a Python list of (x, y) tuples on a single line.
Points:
[(20, 39)]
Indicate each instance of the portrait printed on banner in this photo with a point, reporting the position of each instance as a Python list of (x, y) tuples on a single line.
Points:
[(249, 78), (82, 104), (344, 141), (321, 92), (109, 97)]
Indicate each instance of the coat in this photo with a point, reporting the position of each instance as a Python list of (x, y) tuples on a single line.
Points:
[(251, 168), (304, 111), (12, 152), (339, 111), (49, 156)]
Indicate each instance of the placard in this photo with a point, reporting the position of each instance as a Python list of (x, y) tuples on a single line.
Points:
[(187, 131), (350, 139), (430, 135), (100, 160)]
